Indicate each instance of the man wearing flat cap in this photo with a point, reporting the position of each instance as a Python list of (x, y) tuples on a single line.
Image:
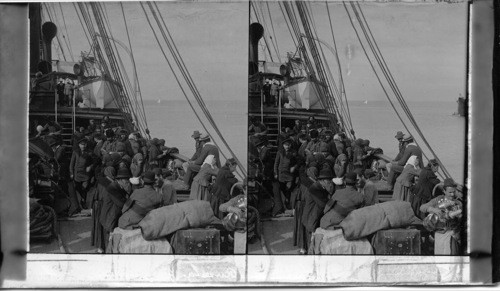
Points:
[(207, 148), (447, 209), (395, 167), (140, 203), (342, 203)]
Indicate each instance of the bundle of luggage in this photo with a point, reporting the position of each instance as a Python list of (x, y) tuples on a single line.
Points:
[(388, 228), (42, 221), (189, 227)]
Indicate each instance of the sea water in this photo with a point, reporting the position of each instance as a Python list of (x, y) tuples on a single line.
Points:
[(376, 121), (444, 131), (175, 120)]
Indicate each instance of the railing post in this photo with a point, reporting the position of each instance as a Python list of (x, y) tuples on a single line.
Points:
[(55, 102)]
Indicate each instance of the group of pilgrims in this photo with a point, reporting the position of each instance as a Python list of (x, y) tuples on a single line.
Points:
[(319, 176), (123, 175)]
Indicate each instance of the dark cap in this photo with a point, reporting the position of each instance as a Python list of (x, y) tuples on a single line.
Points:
[(325, 173), (149, 177), (83, 140), (123, 174), (351, 178), (399, 135), (448, 182), (196, 134)]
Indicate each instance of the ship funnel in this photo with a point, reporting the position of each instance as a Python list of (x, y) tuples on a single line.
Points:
[(256, 32), (49, 31)]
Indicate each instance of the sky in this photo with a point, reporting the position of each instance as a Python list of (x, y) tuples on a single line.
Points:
[(212, 39), (424, 45)]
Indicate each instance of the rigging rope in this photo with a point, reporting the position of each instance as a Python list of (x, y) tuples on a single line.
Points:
[(181, 66), (342, 88), (197, 94), (133, 60), (397, 92), (390, 82), (66, 28), (57, 37), (274, 33)]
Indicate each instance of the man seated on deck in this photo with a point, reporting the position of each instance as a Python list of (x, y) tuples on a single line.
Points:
[(395, 168), (342, 203), (445, 215), (207, 148), (140, 203), (197, 149)]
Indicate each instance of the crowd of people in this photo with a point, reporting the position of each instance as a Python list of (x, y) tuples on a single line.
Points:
[(122, 175), (319, 176)]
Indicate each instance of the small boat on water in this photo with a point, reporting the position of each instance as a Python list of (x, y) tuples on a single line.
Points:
[(308, 88)]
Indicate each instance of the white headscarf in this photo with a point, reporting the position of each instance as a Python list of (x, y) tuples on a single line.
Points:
[(413, 161), (210, 160)]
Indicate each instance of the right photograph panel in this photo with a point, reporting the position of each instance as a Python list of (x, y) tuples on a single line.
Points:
[(357, 128)]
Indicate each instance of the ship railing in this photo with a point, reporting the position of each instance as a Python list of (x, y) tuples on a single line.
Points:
[(460, 187)]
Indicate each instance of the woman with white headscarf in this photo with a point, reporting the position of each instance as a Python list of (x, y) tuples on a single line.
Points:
[(199, 187), (406, 180)]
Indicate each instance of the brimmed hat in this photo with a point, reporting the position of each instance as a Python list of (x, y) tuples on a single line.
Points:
[(366, 142), (83, 140), (399, 135), (123, 132), (325, 173), (287, 140), (109, 132), (351, 178), (358, 142), (204, 137), (149, 177), (52, 142), (196, 134), (433, 162), (123, 174), (407, 137), (328, 132), (448, 182), (314, 133), (260, 141)]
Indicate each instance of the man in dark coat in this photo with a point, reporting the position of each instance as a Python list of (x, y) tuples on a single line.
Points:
[(332, 152), (342, 203), (80, 170), (265, 159), (222, 186), (395, 168), (112, 202), (422, 191), (318, 195), (208, 148), (285, 165), (140, 203)]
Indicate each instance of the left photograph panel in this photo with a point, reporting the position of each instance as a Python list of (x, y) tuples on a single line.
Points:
[(137, 127)]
